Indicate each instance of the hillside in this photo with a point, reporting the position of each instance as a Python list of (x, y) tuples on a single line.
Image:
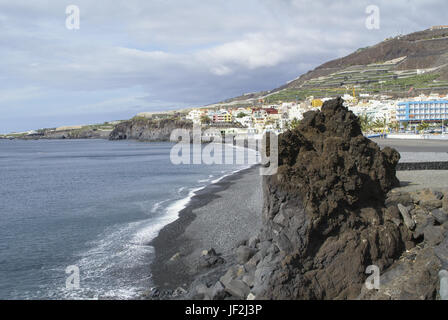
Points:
[(418, 60)]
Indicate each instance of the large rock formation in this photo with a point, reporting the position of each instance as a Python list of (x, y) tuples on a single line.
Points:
[(325, 218), (148, 129), (324, 211)]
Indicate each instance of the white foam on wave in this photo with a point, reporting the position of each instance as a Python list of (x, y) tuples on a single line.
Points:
[(230, 174), (115, 267), (148, 233), (157, 205), (181, 189), (120, 252)]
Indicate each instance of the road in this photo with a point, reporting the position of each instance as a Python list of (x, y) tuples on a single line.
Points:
[(414, 145), (416, 151)]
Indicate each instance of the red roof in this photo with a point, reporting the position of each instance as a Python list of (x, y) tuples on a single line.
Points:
[(271, 111)]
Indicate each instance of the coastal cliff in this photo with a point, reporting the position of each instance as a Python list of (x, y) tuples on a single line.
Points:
[(99, 131), (329, 213), (76, 134), (144, 129)]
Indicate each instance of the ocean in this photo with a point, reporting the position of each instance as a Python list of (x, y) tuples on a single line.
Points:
[(92, 204)]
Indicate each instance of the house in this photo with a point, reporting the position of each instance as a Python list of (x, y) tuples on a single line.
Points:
[(296, 112), (221, 116), (259, 116), (439, 27), (245, 121), (195, 115)]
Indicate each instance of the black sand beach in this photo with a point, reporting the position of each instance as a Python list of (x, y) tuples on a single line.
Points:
[(220, 216)]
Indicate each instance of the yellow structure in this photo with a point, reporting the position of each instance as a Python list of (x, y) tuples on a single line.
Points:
[(316, 103)]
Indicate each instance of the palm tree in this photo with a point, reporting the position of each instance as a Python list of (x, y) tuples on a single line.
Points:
[(205, 119), (423, 126), (394, 126), (365, 122), (379, 123), (294, 123), (405, 126)]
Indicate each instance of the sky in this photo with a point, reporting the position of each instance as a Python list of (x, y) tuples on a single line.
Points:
[(133, 56)]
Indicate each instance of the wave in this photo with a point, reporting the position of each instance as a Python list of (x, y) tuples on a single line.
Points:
[(181, 189), (230, 174), (147, 234), (124, 254), (157, 205)]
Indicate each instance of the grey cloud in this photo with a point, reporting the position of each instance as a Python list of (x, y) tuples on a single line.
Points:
[(182, 52)]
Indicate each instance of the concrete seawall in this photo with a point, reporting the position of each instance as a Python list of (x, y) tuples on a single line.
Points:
[(433, 165)]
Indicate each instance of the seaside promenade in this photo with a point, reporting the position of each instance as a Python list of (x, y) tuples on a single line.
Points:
[(420, 151)]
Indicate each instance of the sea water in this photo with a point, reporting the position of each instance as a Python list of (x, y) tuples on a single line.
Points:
[(92, 204)]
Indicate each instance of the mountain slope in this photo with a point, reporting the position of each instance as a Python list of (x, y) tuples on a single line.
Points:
[(394, 66)]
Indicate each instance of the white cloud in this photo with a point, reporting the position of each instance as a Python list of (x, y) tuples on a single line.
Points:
[(179, 52)]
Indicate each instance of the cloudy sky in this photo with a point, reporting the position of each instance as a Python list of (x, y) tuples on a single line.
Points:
[(131, 56)]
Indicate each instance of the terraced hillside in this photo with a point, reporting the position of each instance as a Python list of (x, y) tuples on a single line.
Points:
[(394, 66)]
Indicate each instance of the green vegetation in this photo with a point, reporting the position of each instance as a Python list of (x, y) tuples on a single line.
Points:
[(205, 119), (365, 122), (394, 126), (301, 94), (94, 127), (405, 125), (293, 124), (379, 124), (362, 49), (386, 83), (87, 128), (419, 81), (14, 135), (138, 118), (423, 126)]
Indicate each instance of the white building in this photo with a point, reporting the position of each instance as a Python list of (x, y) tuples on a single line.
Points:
[(195, 116), (296, 111), (245, 121)]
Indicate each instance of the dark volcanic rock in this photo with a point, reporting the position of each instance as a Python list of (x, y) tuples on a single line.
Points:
[(244, 253), (329, 213), (324, 210), (210, 259), (148, 129), (413, 277), (238, 289), (328, 157), (440, 215)]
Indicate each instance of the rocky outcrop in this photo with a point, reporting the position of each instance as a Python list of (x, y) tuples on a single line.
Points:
[(419, 273), (415, 275), (83, 133), (325, 215), (77, 134), (324, 210), (148, 129)]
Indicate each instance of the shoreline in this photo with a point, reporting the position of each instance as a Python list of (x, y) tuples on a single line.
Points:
[(178, 245)]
